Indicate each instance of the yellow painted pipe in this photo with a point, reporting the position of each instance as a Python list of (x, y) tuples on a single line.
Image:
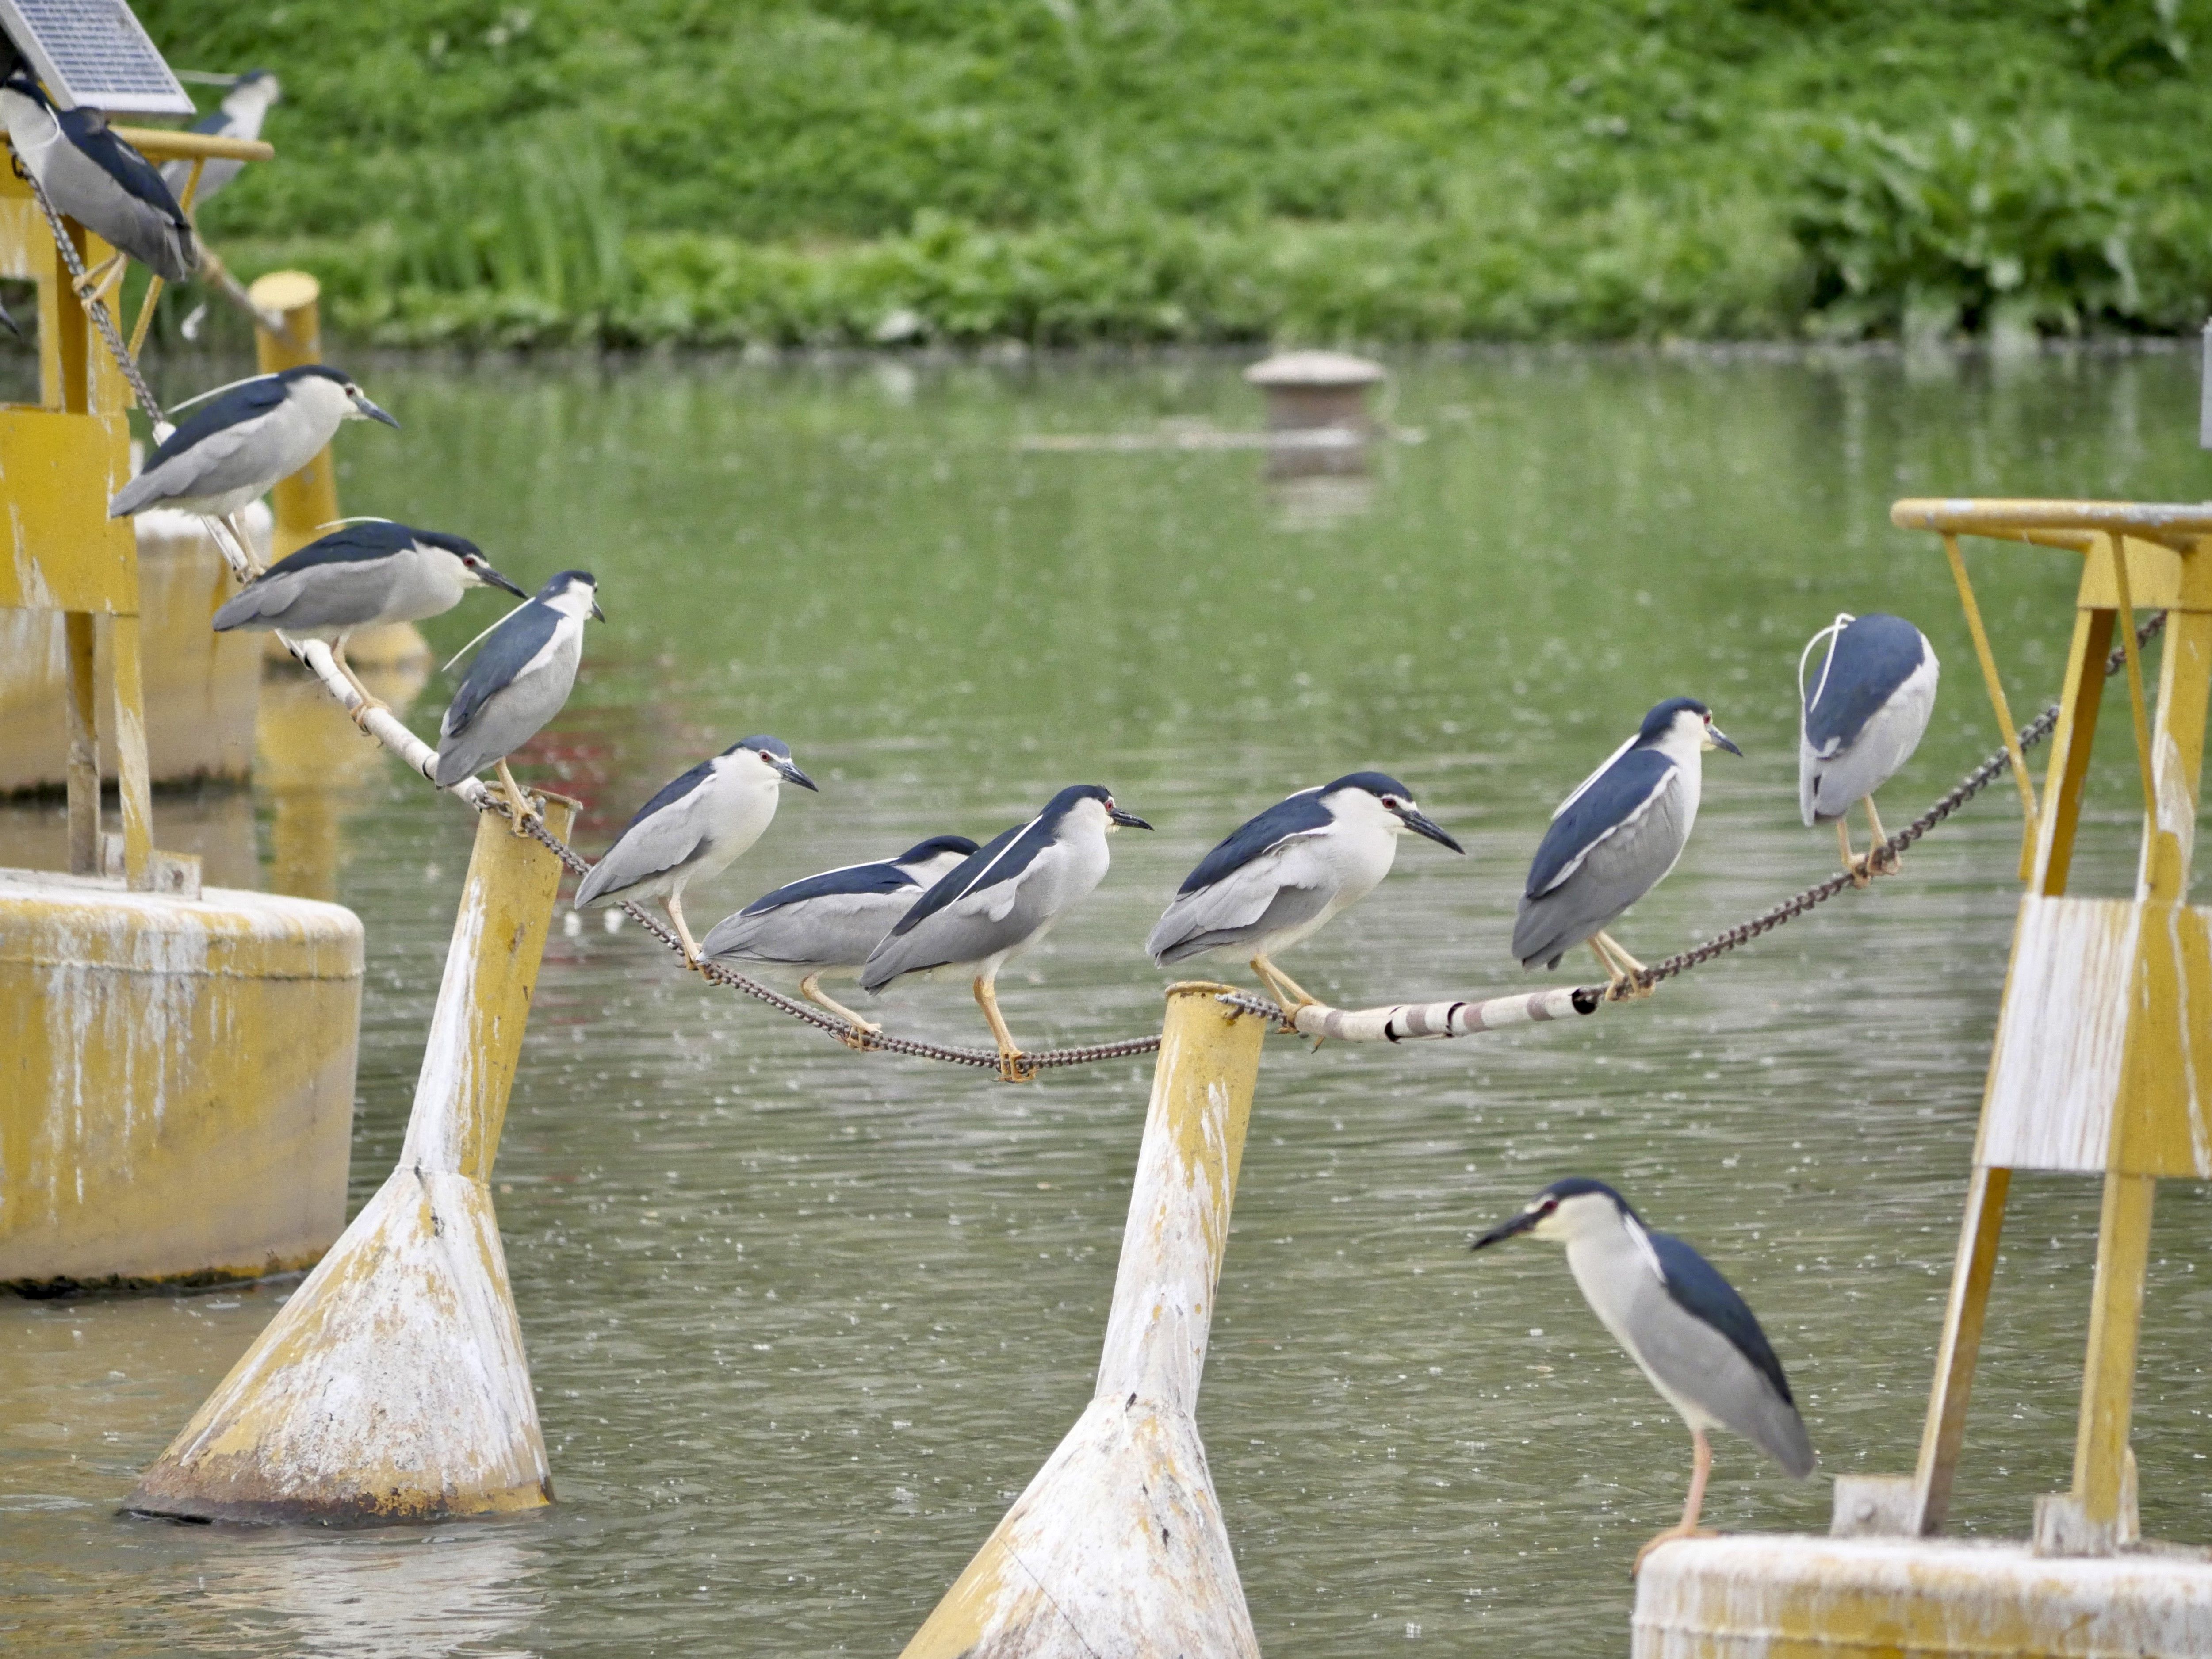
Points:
[(393, 1386), (1118, 1546)]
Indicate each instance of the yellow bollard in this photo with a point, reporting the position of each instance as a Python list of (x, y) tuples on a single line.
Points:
[(393, 1385), (307, 503), (1118, 1545)]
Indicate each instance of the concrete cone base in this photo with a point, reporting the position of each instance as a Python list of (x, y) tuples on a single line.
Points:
[(393, 1387)]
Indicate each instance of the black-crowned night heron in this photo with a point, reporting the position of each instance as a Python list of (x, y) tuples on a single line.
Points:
[(245, 437), (1682, 1322), (1615, 839), (824, 926), (360, 575), (246, 105), (94, 177), (1862, 718), (1002, 899), (522, 675), (1282, 877), (693, 829)]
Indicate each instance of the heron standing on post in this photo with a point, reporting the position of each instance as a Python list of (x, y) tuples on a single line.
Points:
[(362, 575), (825, 925), (1860, 722), (1615, 839), (1683, 1324), (516, 685), (1002, 899), (1282, 876), (693, 829), (92, 176)]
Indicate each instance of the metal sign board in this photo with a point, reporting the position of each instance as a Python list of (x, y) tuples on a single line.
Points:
[(93, 53)]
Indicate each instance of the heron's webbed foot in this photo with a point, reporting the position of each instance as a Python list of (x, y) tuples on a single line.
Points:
[(810, 989)]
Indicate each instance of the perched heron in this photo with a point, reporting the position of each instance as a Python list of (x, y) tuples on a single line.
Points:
[(693, 829), (244, 439), (357, 577), (1861, 721), (1282, 877), (1680, 1322), (1615, 839), (246, 105), (824, 926), (94, 177), (1000, 900), (518, 683)]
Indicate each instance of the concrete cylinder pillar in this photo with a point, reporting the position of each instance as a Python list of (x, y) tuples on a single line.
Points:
[(1118, 1546), (393, 1386)]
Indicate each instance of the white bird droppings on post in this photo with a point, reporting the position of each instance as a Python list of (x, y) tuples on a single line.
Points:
[(1118, 1546)]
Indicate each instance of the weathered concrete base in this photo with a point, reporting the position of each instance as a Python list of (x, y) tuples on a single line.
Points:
[(176, 1080), (393, 1387), (1118, 1546), (1771, 1597), (201, 686)]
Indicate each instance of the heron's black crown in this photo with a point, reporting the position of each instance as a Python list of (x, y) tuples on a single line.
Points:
[(1656, 723), (1377, 784), (565, 580), (765, 743), (922, 851), (1577, 1186)]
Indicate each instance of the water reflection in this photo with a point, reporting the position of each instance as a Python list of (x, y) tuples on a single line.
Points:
[(404, 1597)]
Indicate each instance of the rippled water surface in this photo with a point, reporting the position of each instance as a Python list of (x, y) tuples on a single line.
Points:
[(803, 1323)]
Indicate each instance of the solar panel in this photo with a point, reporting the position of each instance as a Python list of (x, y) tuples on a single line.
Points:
[(95, 54)]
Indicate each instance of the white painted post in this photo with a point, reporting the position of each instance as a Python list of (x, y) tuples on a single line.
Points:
[(393, 1385), (1118, 1546)]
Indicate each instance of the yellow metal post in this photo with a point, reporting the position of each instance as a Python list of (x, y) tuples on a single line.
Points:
[(1118, 1545), (307, 503), (393, 1386), (81, 709)]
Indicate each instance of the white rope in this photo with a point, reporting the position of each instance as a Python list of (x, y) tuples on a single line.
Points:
[(1408, 1022)]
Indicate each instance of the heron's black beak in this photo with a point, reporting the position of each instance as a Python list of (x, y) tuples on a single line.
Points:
[(492, 579), (598, 613), (1422, 824), (1721, 739), (374, 413), (1505, 1230), (793, 775), (1127, 820)]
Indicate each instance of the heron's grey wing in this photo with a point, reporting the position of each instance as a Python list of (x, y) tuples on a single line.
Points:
[(334, 595), (837, 930), (1884, 744), (1284, 886), (222, 461), (1619, 867), (650, 847), (1702, 1347), (978, 924), (495, 719)]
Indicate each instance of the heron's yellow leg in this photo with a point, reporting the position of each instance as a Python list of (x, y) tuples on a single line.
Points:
[(1013, 1068), (675, 904), (1623, 968), (518, 803), (1879, 860), (370, 700), (1688, 1527), (810, 989)]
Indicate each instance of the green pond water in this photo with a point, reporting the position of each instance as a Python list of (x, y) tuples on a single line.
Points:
[(803, 1323)]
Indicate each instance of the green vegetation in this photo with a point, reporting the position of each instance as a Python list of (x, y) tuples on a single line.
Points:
[(1060, 171)]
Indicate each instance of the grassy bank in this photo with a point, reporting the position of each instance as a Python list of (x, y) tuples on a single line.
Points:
[(1062, 171)]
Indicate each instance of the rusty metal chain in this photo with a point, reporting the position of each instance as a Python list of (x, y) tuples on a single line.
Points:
[(98, 307), (1967, 787)]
